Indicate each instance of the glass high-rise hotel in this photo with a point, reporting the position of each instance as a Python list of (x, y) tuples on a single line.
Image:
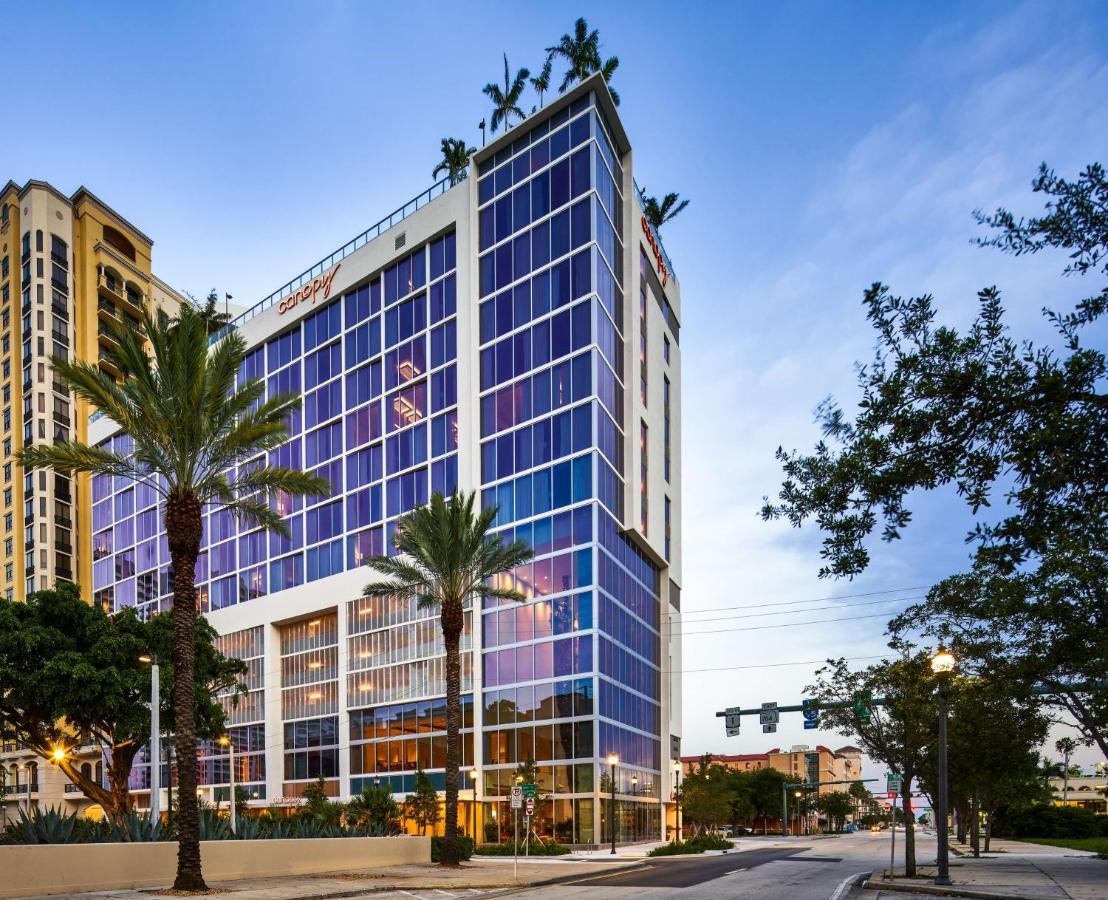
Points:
[(516, 334)]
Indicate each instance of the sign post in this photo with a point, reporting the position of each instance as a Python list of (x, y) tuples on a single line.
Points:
[(517, 802), (892, 841), (528, 811)]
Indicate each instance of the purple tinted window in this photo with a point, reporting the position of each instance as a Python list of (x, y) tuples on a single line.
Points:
[(286, 573), (324, 521)]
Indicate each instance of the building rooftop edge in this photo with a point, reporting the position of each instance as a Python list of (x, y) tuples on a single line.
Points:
[(81, 193)]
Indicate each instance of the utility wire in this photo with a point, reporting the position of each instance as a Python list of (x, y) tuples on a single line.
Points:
[(799, 602), (794, 612), (782, 625)]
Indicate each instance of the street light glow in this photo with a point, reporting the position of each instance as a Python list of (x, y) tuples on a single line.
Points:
[(473, 774), (613, 759), (942, 662), (146, 658)]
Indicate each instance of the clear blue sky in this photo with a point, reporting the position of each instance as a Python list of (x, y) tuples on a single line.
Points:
[(823, 146)]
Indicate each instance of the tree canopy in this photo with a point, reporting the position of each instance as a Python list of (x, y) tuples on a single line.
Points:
[(1017, 427), (70, 674)]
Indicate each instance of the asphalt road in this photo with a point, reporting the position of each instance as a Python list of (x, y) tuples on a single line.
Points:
[(801, 868)]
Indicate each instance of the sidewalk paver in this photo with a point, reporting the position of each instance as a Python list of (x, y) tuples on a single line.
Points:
[(1011, 869), (478, 877)]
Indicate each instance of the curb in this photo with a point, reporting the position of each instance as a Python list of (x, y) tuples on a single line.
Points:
[(877, 884)]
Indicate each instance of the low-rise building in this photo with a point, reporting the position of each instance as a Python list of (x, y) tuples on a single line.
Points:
[(801, 762), (1082, 791)]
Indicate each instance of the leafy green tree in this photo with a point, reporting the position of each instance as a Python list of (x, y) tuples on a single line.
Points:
[(209, 311), (374, 808), (318, 807), (836, 805), (199, 439), (449, 560), (70, 674), (541, 82), (764, 794), (706, 795), (455, 159), (657, 214), (422, 806), (505, 100), (987, 413), (897, 733)]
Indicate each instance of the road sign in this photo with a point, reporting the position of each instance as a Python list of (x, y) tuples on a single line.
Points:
[(517, 796), (529, 790), (769, 729), (893, 782), (769, 714), (529, 806), (732, 720), (811, 714)]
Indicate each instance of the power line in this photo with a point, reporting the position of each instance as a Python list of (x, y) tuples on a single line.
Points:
[(793, 612), (799, 602), (799, 662), (782, 625)]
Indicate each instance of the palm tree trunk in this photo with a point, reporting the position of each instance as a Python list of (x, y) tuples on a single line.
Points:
[(452, 622), (183, 528)]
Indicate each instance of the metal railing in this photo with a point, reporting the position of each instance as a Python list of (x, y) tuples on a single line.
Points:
[(371, 233)]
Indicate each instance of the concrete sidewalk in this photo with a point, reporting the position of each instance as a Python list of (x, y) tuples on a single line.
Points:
[(1015, 870), (478, 876)]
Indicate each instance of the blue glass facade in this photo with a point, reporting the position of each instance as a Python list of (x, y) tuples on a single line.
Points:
[(491, 359)]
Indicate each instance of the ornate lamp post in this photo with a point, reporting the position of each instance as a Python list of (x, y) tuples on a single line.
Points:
[(226, 742), (942, 664)]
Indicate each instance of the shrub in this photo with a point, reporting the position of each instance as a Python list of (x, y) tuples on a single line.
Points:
[(465, 847), (693, 845), (375, 811), (545, 848), (1048, 821)]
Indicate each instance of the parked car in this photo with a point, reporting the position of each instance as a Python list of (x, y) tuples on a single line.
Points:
[(850, 829)]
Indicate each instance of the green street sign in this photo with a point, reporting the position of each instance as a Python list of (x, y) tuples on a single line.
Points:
[(862, 709), (529, 790)]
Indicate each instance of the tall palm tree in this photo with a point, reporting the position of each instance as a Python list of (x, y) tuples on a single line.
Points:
[(506, 100), (541, 82), (449, 561), (1066, 746), (455, 159), (581, 51), (202, 439), (657, 214)]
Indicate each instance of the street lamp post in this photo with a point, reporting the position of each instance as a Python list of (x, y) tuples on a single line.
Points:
[(226, 742), (799, 810), (942, 664), (155, 737), (473, 804), (613, 761), (677, 794)]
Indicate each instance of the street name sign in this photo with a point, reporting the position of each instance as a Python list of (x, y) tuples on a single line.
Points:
[(529, 790), (893, 782)]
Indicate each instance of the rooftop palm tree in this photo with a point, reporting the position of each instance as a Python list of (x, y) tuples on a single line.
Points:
[(200, 441), (608, 70), (541, 82), (581, 51), (449, 561), (506, 100), (657, 214), (455, 159)]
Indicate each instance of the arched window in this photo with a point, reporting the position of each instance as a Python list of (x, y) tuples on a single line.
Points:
[(116, 239), (86, 770), (100, 773)]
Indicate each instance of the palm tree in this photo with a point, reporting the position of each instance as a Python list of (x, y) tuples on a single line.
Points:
[(608, 70), (455, 159), (657, 214), (1066, 746), (506, 101), (449, 561), (200, 441), (581, 51), (541, 83)]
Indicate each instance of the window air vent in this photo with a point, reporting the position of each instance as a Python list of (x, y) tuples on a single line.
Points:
[(400, 240)]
